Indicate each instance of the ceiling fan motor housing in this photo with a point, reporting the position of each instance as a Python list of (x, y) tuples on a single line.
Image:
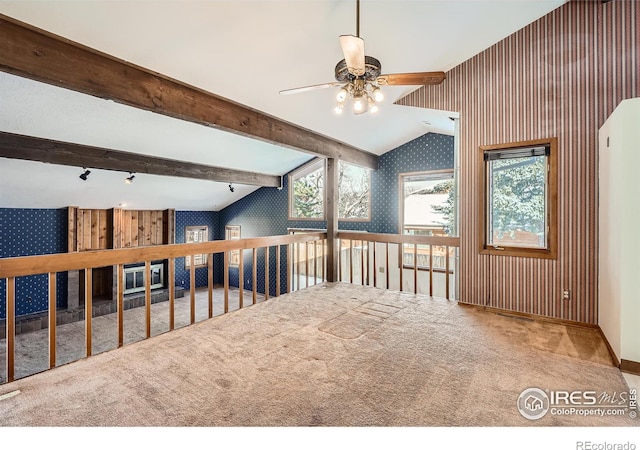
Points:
[(372, 70)]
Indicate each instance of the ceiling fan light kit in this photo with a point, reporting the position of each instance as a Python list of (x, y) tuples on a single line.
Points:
[(364, 95), (359, 76)]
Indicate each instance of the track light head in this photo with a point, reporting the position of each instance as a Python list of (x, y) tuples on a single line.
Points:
[(231, 188), (85, 175), (130, 178)]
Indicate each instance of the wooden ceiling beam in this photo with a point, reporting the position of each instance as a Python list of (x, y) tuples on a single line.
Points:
[(16, 146), (36, 54)]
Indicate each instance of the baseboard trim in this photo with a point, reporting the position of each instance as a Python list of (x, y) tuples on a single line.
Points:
[(614, 358), (508, 312), (632, 367)]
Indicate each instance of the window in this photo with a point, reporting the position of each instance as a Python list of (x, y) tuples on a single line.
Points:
[(307, 194), (519, 192), (196, 235), (354, 187), (427, 209), (134, 278), (232, 232)]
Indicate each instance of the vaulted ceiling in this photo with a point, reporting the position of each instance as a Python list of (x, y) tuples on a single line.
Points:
[(246, 52)]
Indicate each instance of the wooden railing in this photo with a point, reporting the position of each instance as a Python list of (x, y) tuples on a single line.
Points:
[(365, 258), (376, 255), (12, 268)]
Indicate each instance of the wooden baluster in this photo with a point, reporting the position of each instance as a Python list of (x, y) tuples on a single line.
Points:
[(240, 279), (387, 266), (254, 274), (339, 259), (266, 273), (447, 273), (375, 266), (415, 268), (362, 262), (401, 246), (88, 311), (306, 264), (298, 265), (278, 249), (350, 261), (315, 262), (120, 302), (324, 260), (289, 268), (192, 291), (172, 293), (52, 320), (147, 295), (430, 270), (226, 282), (210, 283), (11, 328)]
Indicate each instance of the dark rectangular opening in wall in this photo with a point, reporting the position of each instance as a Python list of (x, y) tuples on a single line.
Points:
[(102, 284)]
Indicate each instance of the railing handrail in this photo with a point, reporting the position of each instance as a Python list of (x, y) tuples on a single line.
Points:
[(62, 262), (400, 238)]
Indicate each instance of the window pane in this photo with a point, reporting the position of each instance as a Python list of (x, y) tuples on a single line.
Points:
[(517, 202), (129, 284), (353, 186), (428, 204), (428, 210), (139, 278), (308, 195)]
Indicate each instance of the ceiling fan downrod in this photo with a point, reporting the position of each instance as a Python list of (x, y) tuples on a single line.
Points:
[(358, 18)]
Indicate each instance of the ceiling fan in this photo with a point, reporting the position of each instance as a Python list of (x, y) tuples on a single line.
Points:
[(359, 76)]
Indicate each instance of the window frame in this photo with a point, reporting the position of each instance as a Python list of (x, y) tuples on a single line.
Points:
[(311, 167), (303, 171), (355, 219), (551, 202), (190, 232), (234, 255), (401, 224)]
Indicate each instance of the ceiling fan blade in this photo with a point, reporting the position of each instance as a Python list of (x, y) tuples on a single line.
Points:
[(411, 79), (353, 50), (309, 88)]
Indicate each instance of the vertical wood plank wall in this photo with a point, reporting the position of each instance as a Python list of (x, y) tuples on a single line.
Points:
[(101, 229), (560, 76)]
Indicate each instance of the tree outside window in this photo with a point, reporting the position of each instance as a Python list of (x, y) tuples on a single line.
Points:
[(306, 190), (519, 199)]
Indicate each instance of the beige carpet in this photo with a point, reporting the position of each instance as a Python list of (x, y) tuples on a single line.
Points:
[(332, 355)]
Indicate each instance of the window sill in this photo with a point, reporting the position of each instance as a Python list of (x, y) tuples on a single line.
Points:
[(519, 252)]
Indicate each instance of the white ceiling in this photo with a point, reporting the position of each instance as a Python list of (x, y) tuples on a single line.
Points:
[(246, 51)]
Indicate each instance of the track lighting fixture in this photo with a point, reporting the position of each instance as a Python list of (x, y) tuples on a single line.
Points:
[(231, 188), (130, 178), (85, 175)]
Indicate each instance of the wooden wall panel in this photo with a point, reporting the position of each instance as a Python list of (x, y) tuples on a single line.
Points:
[(139, 228), (116, 222), (99, 229), (72, 236), (560, 76), (169, 226), (134, 229)]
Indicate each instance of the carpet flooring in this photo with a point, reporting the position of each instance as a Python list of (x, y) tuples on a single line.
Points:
[(332, 355)]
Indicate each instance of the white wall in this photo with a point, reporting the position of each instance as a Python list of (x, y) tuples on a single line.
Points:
[(619, 230)]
